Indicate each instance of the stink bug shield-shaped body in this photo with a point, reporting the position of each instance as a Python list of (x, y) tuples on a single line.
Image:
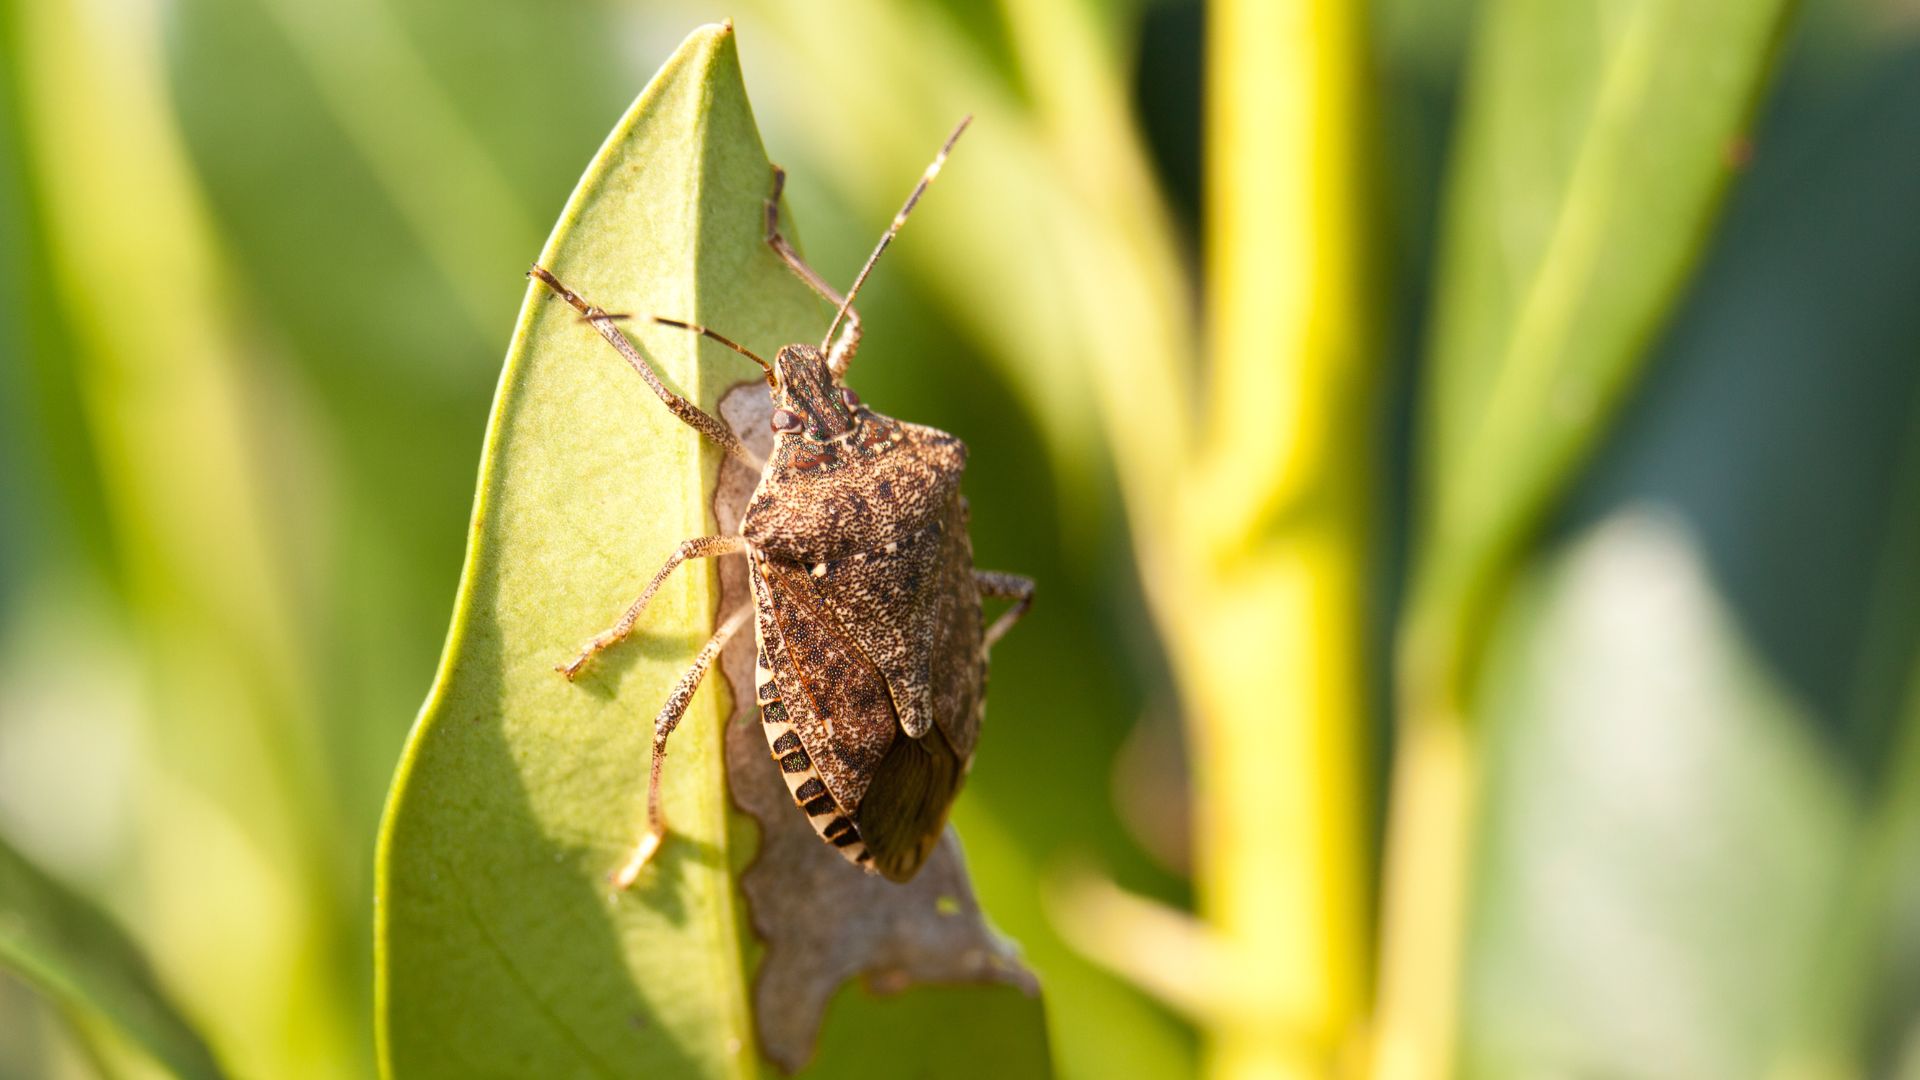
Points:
[(872, 659)]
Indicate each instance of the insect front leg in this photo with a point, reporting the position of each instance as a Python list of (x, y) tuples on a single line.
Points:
[(663, 725), (841, 354), (993, 583), (703, 547), (605, 323)]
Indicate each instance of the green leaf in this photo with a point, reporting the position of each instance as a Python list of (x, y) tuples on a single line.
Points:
[(1665, 835), (501, 947), (72, 952), (242, 840), (1597, 144)]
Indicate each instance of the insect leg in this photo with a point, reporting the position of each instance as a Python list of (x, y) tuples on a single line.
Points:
[(604, 322), (663, 725), (702, 547), (1019, 589), (841, 354)]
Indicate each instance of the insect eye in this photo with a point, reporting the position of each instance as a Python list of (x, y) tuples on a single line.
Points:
[(785, 421), (852, 399)]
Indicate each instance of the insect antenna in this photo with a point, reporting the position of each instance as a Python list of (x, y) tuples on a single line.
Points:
[(722, 339), (899, 219)]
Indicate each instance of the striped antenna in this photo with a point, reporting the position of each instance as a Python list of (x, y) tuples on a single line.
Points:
[(899, 219)]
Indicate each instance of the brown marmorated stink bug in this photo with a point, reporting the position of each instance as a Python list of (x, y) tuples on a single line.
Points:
[(872, 664)]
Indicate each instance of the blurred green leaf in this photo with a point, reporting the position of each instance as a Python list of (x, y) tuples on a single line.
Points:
[(1597, 143), (1777, 430), (238, 854), (72, 952), (300, 121), (502, 948), (1665, 834)]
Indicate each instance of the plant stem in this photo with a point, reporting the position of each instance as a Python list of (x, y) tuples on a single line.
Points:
[(1269, 635), (1425, 896)]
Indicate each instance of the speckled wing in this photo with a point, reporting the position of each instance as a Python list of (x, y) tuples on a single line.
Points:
[(957, 675), (916, 613), (836, 697)]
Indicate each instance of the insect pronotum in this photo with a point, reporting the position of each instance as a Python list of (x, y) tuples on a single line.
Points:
[(872, 659)]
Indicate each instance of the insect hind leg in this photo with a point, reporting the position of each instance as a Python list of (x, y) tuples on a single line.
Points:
[(995, 584), (663, 727)]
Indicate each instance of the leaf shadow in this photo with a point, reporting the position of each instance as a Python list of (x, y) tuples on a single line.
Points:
[(606, 674), (525, 911)]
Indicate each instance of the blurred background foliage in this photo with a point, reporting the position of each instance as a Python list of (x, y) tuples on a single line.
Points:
[(258, 263)]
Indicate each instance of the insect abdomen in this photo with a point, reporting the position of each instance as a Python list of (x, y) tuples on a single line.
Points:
[(803, 780)]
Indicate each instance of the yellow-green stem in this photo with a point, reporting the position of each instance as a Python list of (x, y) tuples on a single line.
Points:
[(1424, 886), (1268, 635)]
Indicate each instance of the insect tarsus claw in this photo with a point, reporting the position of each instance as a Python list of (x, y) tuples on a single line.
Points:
[(623, 878)]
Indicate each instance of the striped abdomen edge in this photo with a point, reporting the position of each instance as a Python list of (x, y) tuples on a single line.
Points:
[(803, 781)]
